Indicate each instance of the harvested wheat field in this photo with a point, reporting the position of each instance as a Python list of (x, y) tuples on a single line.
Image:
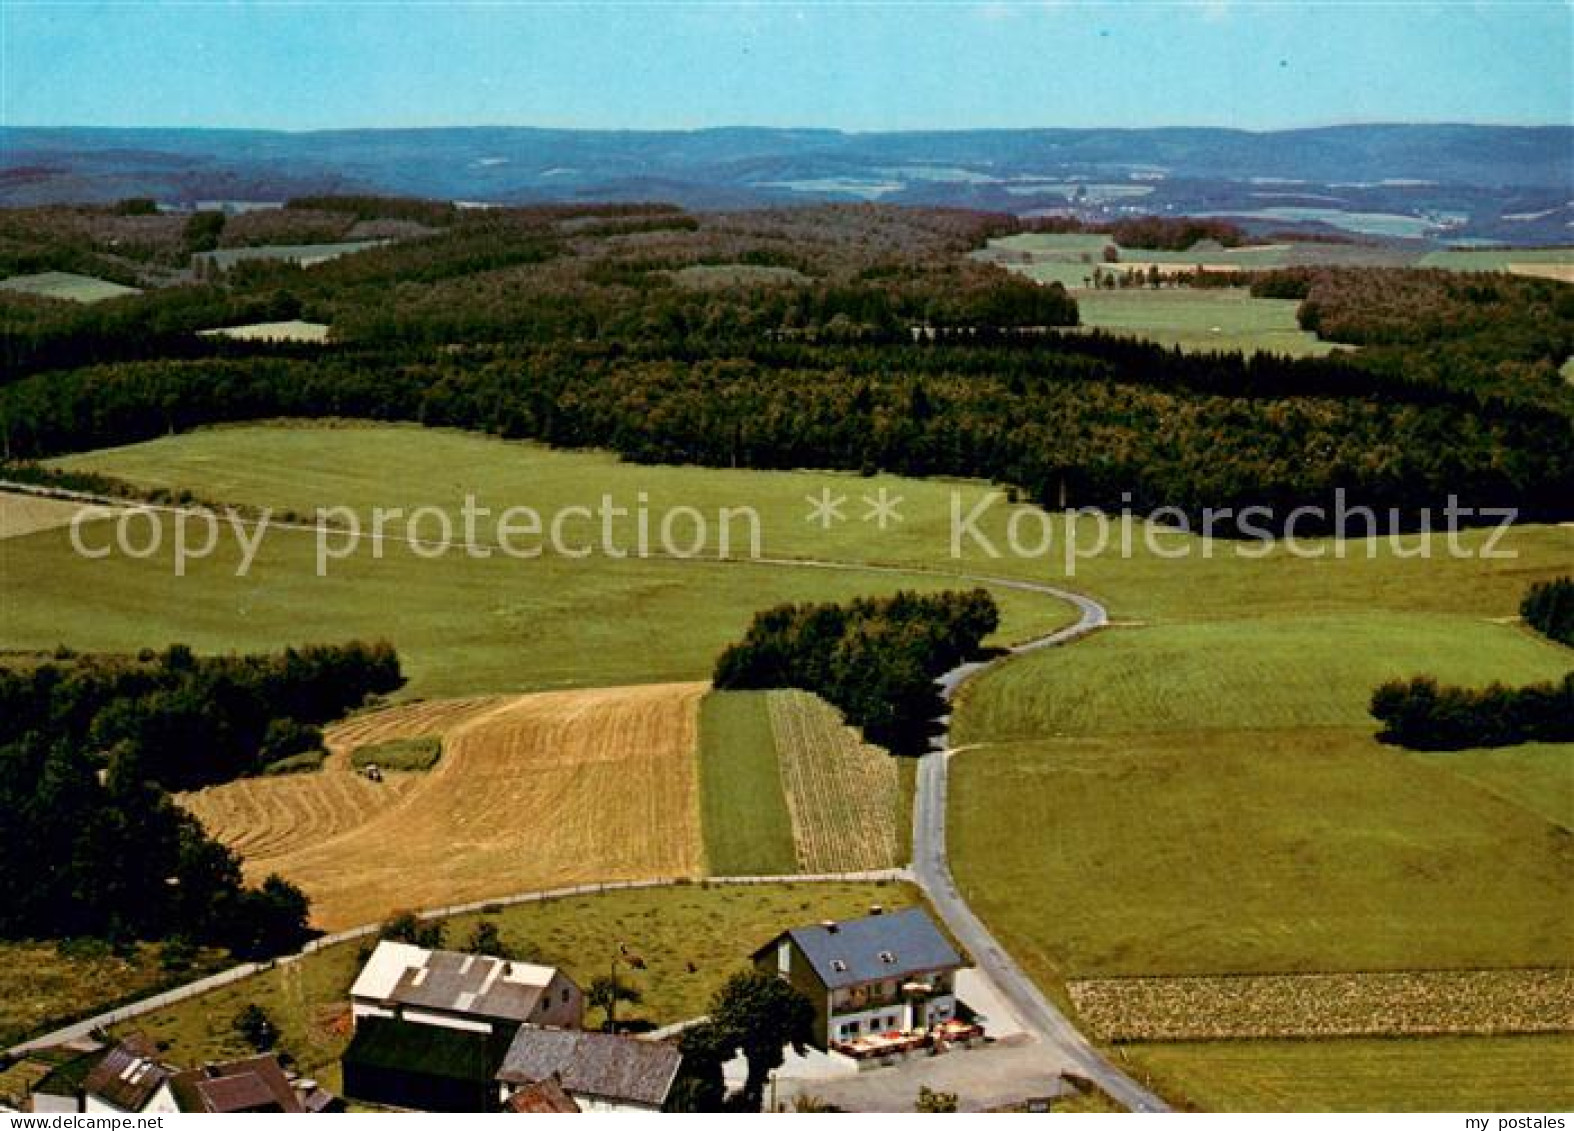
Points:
[(535, 791), (267, 817), (407, 720), (1561, 272), (843, 795)]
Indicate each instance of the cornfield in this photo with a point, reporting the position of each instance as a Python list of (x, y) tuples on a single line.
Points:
[(1414, 1003), (843, 795)]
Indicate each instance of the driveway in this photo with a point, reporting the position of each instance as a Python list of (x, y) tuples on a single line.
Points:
[(1017, 1071)]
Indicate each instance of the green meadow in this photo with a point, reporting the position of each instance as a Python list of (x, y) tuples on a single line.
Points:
[(1211, 319), (1139, 571), (1508, 1074), (743, 811), (464, 624), (66, 287), (1223, 319), (1498, 259)]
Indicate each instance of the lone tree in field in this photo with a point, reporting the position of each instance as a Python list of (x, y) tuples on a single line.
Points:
[(761, 1015), (487, 939), (408, 927), (1548, 607), (256, 1028), (604, 994)]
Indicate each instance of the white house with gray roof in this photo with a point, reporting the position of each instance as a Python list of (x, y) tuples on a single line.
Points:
[(885, 973), (472, 992)]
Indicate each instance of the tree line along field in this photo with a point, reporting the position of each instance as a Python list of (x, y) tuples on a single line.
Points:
[(691, 938)]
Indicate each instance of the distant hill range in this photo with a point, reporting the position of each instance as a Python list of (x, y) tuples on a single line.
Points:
[(1451, 183)]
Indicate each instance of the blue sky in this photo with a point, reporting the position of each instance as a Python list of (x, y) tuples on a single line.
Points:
[(855, 66)]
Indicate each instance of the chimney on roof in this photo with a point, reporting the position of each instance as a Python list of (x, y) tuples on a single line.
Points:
[(876, 909), (829, 925)]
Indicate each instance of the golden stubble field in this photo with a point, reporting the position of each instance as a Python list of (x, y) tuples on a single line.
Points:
[(843, 795), (532, 791)]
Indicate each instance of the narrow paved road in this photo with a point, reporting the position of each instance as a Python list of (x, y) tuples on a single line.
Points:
[(932, 867)]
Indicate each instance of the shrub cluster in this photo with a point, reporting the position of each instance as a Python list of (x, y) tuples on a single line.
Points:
[(1422, 715), (1548, 607), (877, 658), (1163, 233)]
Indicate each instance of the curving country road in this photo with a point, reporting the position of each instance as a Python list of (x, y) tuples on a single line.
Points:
[(932, 869)]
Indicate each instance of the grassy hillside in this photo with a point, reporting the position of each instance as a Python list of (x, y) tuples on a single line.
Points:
[(1202, 319), (305, 467), (463, 624), (1236, 851), (1268, 672)]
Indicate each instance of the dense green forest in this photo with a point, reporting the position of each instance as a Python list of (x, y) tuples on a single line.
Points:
[(853, 337), (183, 721), (876, 658), (89, 745), (1062, 421)]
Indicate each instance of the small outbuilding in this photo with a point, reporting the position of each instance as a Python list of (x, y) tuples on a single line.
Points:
[(423, 1067), (599, 1071)]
